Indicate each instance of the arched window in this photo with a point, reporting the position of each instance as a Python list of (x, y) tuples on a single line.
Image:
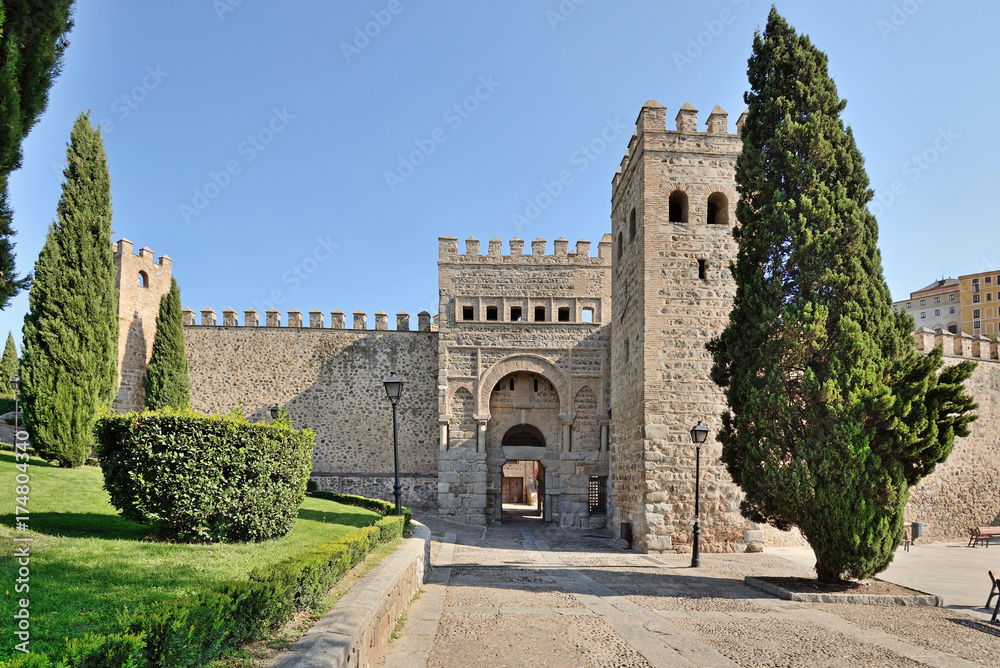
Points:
[(618, 246), (631, 226), (678, 207), (718, 209), (143, 280)]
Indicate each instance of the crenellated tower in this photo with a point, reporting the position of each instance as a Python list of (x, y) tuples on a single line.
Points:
[(141, 282), (673, 209)]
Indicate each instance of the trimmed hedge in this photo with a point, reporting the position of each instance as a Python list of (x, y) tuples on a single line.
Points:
[(192, 631), (379, 506), (205, 478)]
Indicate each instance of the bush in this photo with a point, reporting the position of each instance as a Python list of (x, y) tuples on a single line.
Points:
[(379, 506), (205, 479)]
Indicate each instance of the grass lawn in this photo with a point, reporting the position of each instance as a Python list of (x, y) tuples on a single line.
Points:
[(87, 563)]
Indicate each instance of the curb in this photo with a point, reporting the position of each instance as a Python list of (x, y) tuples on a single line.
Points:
[(923, 599), (357, 630)]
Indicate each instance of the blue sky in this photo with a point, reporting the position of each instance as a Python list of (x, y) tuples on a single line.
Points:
[(251, 141)]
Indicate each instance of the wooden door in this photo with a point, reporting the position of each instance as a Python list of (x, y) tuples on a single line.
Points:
[(513, 490)]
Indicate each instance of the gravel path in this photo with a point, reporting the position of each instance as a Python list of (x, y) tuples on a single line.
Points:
[(525, 594)]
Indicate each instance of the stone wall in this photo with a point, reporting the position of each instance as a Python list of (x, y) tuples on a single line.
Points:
[(141, 282), (330, 380), (964, 491)]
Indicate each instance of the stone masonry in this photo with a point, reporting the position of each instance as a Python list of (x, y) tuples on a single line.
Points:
[(588, 368)]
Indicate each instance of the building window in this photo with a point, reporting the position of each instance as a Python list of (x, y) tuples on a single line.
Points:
[(953, 329), (908, 304), (597, 494), (468, 313), (937, 311), (975, 325), (536, 383), (143, 279), (951, 309), (515, 314), (923, 302), (937, 330), (975, 299), (701, 269), (937, 300), (895, 307), (989, 296), (678, 207), (951, 298), (563, 314), (631, 226), (718, 209), (539, 314), (512, 383), (626, 351), (618, 246), (988, 280), (923, 314), (492, 313), (976, 313), (588, 314)]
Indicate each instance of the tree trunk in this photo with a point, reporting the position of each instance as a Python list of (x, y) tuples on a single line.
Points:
[(825, 574)]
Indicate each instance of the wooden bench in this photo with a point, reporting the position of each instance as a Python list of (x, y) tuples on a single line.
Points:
[(994, 591), (983, 535)]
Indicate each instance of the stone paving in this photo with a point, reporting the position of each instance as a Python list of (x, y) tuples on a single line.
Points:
[(527, 594)]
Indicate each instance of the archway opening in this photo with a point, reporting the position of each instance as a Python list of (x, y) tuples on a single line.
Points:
[(523, 495), (678, 207)]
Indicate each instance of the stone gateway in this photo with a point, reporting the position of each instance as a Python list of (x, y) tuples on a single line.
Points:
[(567, 380)]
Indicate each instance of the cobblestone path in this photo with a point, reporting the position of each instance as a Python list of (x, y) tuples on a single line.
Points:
[(526, 594)]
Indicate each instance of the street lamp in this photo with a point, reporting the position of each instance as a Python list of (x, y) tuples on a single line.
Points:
[(698, 435), (393, 390), (275, 411), (15, 382)]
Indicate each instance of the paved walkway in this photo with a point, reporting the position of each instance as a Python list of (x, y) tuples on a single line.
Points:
[(526, 594)]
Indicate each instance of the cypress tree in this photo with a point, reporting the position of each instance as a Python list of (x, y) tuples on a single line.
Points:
[(69, 370), (166, 380), (832, 413), (8, 365), (32, 43)]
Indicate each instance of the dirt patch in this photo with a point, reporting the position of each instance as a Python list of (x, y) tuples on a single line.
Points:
[(814, 586)]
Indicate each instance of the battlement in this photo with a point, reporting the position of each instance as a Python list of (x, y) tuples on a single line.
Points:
[(977, 347), (652, 121), (230, 318), (561, 255), (123, 248)]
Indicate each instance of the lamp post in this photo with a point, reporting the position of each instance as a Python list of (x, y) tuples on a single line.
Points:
[(275, 411), (393, 390), (698, 435), (15, 382)]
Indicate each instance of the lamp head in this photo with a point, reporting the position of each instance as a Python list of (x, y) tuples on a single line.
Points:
[(699, 433)]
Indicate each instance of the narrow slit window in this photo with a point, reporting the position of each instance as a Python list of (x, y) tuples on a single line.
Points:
[(564, 314), (468, 313), (536, 384), (491, 312), (515, 314), (512, 383), (701, 269), (539, 314)]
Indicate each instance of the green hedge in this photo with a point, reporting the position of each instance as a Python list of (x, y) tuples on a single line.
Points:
[(379, 506), (192, 631), (205, 478)]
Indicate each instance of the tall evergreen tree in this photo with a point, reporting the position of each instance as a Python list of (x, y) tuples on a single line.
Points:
[(69, 370), (832, 413), (8, 366), (32, 42), (166, 380)]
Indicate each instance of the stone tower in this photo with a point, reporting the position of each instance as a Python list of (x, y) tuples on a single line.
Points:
[(673, 208), (141, 281)]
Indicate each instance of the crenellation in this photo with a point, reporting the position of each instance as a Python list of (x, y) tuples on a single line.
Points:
[(718, 121), (582, 248), (315, 319), (961, 345), (424, 321), (207, 317), (402, 321), (250, 318), (229, 318), (188, 316), (538, 247), (559, 247), (295, 318), (741, 121), (273, 317), (360, 320), (516, 247), (381, 321), (472, 246), (494, 247), (337, 319), (687, 119)]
